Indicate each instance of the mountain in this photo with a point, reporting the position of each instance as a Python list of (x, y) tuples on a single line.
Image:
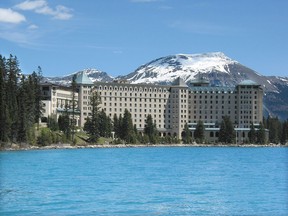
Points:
[(215, 66), (93, 74)]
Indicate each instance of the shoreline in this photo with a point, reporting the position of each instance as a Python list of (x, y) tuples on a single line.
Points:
[(17, 147)]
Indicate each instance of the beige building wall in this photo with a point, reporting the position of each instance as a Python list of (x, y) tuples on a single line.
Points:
[(56, 99), (173, 106), (139, 100)]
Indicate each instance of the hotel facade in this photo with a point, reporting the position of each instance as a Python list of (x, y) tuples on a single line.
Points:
[(172, 106)]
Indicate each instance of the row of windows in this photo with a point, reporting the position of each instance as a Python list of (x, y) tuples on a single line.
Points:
[(130, 94), (211, 107), (135, 105), (211, 92), (211, 102), (130, 110), (135, 89), (211, 97), (135, 99)]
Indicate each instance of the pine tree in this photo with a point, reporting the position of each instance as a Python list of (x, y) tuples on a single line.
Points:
[(186, 135), (199, 132), (17, 102), (116, 125), (3, 102), (64, 123), (92, 126), (13, 71), (226, 132), (150, 130), (252, 134), (22, 112), (274, 127), (73, 106), (284, 134), (105, 125), (38, 108), (120, 125), (261, 138), (127, 128)]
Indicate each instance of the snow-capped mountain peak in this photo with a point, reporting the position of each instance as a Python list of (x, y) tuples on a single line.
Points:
[(186, 66)]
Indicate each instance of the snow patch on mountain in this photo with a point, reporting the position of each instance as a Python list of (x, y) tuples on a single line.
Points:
[(186, 66), (94, 74)]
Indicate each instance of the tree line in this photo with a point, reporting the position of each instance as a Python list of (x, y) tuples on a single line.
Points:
[(20, 102)]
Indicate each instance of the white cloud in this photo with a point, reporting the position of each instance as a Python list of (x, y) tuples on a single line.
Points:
[(32, 27), (41, 7), (31, 5), (10, 16)]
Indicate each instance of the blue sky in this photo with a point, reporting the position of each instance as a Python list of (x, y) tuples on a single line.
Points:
[(117, 36)]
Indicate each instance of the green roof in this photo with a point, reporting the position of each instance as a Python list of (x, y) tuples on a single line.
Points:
[(82, 78)]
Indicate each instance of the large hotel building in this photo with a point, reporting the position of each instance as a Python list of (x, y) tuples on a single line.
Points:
[(171, 106)]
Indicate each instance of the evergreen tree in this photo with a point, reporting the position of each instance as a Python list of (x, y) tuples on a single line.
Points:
[(186, 135), (13, 71), (92, 126), (73, 123), (199, 132), (284, 134), (116, 126), (274, 127), (87, 125), (252, 134), (17, 102), (3, 102), (64, 123), (128, 134), (226, 132), (23, 112), (35, 84), (261, 138), (150, 130), (105, 125), (119, 130)]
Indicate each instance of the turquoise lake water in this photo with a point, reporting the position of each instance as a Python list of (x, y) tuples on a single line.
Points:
[(145, 181)]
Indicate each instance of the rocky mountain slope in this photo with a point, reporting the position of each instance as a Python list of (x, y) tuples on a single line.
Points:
[(94, 74), (216, 66)]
